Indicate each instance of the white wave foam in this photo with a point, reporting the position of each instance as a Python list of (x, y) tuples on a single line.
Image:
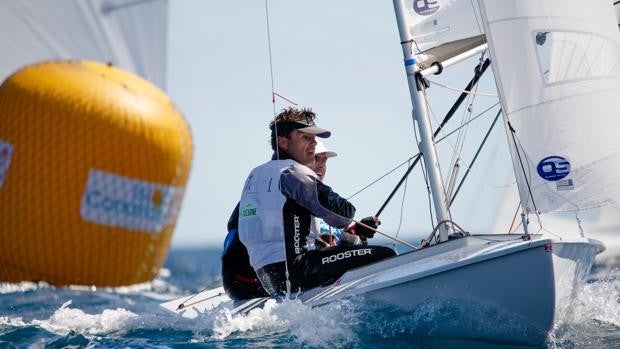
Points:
[(594, 313), (597, 301), (65, 320), (326, 326), (110, 322), (6, 321)]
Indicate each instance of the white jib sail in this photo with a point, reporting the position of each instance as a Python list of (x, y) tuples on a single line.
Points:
[(131, 34), (443, 28), (557, 68)]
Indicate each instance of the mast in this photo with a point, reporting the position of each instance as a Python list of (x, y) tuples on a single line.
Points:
[(422, 121)]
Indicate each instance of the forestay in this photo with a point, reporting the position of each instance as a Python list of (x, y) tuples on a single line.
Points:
[(443, 28), (131, 34), (557, 68)]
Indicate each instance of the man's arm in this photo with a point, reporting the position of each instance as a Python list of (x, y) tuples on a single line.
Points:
[(301, 184)]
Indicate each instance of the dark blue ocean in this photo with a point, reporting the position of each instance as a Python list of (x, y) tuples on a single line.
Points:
[(42, 316)]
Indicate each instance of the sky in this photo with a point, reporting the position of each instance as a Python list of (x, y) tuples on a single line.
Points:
[(340, 58)]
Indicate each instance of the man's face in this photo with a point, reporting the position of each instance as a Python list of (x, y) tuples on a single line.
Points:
[(300, 146), (320, 165)]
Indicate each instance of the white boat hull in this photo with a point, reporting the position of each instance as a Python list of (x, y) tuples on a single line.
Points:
[(495, 288), (525, 285)]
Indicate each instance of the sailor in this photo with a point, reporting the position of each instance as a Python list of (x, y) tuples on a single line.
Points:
[(276, 207), (238, 276), (322, 234)]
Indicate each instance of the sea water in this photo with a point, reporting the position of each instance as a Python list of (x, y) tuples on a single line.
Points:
[(37, 315)]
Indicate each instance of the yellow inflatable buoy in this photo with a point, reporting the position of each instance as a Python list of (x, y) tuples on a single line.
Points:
[(93, 166)]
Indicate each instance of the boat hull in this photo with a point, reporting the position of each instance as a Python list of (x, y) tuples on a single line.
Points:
[(503, 292), (492, 288)]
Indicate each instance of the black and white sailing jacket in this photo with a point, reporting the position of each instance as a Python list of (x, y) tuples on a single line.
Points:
[(278, 201)]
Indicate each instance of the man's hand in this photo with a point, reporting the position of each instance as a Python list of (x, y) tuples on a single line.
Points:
[(325, 240), (364, 232)]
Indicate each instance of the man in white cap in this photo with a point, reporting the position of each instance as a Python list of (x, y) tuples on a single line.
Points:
[(321, 154), (322, 234), (278, 201)]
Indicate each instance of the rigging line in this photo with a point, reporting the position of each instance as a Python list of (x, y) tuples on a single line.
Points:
[(273, 98), (467, 114), (478, 72), (273, 93), (463, 91), (460, 143), (478, 237), (490, 185), (444, 194), (417, 156), (402, 206), (529, 172), (386, 235), (514, 218), (284, 98), (541, 228), (275, 129), (428, 188), (473, 8), (484, 140), (417, 159), (527, 182), (402, 180), (467, 123), (462, 134), (431, 112)]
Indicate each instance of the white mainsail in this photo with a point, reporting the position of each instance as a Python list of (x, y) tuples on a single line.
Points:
[(442, 28), (557, 69), (131, 34)]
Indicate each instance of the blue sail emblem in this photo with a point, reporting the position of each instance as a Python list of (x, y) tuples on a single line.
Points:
[(425, 7), (553, 168)]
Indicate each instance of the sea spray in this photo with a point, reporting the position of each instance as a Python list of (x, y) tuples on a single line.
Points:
[(329, 326), (66, 320), (593, 318)]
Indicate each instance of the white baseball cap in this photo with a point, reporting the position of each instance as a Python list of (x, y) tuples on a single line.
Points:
[(320, 148)]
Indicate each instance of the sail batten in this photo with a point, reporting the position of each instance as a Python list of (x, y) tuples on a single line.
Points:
[(557, 69)]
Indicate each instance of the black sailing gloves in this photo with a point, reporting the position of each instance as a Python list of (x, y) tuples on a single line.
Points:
[(364, 232)]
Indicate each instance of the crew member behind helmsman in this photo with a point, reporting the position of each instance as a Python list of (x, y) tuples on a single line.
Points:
[(323, 235), (276, 207)]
